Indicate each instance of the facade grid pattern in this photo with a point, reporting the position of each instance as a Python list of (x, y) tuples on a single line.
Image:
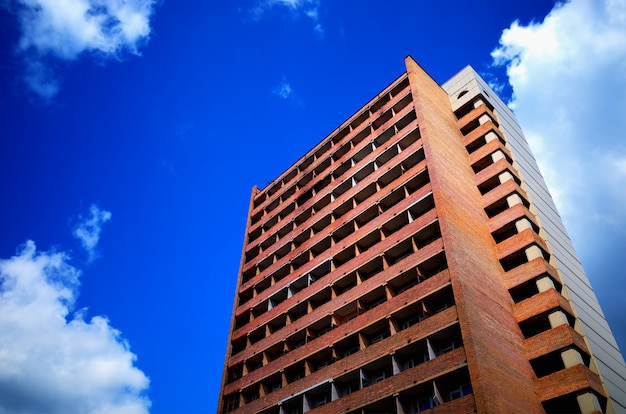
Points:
[(366, 264)]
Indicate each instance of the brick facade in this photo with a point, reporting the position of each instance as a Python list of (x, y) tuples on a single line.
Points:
[(397, 267)]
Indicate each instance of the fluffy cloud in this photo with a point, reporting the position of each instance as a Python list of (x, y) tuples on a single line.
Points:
[(569, 94), (53, 360), (308, 8), (64, 29), (88, 230)]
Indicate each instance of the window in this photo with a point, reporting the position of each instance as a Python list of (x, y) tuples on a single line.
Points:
[(415, 361), (350, 388), (408, 323), (424, 404), (447, 348), (350, 317), (231, 403), (459, 392), (351, 351), (380, 375), (319, 401), (425, 315), (324, 331), (441, 308), (456, 393), (324, 363), (235, 373), (379, 337), (377, 302), (406, 287)]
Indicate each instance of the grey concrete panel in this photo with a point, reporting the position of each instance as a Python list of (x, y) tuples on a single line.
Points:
[(597, 331)]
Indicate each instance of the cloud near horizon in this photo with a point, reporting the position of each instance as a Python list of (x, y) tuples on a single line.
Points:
[(569, 94), (65, 29), (52, 359)]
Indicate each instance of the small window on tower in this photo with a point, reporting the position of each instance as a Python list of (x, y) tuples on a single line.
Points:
[(461, 94)]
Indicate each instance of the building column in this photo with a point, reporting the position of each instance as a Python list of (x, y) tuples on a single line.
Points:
[(557, 318), (334, 391), (396, 364), (498, 155), (571, 357), (513, 200), (544, 283), (490, 136), (522, 225), (504, 177), (399, 407), (533, 252), (589, 403)]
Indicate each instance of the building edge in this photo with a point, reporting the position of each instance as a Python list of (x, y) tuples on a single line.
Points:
[(605, 352), (492, 339), (220, 401)]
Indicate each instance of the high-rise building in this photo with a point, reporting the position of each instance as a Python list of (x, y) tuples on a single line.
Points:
[(413, 260)]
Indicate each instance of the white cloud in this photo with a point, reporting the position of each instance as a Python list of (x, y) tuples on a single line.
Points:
[(88, 229), (53, 360), (568, 75), (297, 8), (283, 89), (64, 29)]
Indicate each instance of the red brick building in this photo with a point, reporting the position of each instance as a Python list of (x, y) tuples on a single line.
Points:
[(404, 264)]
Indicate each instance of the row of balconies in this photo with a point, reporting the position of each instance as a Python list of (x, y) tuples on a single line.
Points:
[(374, 315), (361, 361), (344, 314), (447, 393), (398, 238), (332, 249), (416, 354), (396, 282), (361, 284), (350, 284), (349, 171), (331, 204), (345, 136), (555, 350), (311, 259), (426, 395), (333, 209), (395, 120)]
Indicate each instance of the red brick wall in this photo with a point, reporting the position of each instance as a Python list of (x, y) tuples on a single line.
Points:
[(501, 376)]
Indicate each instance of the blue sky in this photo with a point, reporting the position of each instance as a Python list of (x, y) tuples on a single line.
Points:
[(131, 134)]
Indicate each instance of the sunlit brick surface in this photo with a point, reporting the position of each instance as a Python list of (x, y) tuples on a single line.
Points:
[(398, 267)]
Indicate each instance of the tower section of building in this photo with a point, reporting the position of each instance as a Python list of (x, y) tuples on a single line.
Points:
[(399, 266), (467, 89)]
